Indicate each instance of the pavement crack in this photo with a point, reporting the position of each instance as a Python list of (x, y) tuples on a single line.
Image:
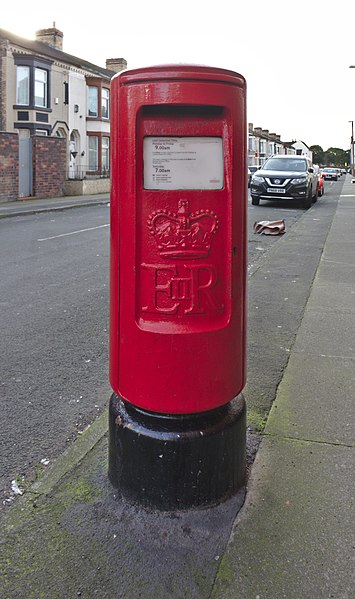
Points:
[(305, 440)]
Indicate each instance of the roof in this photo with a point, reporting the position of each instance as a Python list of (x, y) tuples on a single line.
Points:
[(299, 141), (46, 50)]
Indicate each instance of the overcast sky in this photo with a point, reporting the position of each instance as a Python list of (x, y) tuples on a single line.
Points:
[(295, 55)]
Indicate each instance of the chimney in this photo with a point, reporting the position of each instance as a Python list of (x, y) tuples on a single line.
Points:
[(52, 37), (116, 64)]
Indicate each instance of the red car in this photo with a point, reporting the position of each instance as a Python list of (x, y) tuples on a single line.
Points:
[(320, 185)]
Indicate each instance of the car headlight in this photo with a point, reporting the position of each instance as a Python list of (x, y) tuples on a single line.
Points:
[(257, 179), (299, 181)]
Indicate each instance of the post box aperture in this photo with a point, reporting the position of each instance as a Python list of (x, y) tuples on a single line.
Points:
[(178, 238)]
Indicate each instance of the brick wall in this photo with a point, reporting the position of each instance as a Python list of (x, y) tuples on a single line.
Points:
[(8, 166), (2, 87), (49, 166)]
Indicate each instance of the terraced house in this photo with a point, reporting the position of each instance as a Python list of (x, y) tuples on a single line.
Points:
[(54, 118)]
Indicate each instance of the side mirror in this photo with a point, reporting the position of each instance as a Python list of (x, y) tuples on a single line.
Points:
[(311, 170)]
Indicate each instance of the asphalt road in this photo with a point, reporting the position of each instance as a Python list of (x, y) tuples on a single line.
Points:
[(54, 334), (54, 329)]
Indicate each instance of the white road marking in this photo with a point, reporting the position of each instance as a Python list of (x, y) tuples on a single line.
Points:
[(72, 233)]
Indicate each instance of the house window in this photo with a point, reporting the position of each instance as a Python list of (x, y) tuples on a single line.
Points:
[(41, 88), (92, 101), (105, 156), (41, 132), (23, 86), (93, 153), (105, 103), (33, 81)]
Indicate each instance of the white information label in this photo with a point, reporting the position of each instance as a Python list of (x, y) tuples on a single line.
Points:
[(183, 163)]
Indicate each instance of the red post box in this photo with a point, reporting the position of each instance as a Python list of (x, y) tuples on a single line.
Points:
[(178, 268)]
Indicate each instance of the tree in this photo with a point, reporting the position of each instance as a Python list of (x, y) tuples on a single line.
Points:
[(318, 154), (337, 157)]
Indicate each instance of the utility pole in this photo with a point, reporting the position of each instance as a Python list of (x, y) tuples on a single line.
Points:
[(352, 139)]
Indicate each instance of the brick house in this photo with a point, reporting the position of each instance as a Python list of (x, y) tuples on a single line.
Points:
[(54, 117), (262, 144)]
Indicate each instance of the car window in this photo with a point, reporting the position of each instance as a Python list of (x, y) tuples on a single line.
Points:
[(278, 164)]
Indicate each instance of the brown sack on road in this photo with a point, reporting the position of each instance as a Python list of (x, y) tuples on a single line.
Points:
[(270, 227)]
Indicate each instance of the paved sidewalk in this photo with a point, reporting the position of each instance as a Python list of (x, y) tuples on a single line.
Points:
[(23, 207), (295, 536), (72, 535)]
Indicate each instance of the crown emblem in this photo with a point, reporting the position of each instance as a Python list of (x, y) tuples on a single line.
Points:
[(183, 234)]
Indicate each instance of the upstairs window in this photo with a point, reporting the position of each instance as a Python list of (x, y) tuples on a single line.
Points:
[(98, 98), (251, 144), (93, 101), (105, 103), (33, 81), (23, 86), (41, 88)]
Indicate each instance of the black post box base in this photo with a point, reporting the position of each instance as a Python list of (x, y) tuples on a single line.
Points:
[(172, 462)]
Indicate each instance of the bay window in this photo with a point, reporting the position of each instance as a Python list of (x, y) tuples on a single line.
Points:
[(98, 98), (93, 152), (23, 85), (105, 154), (98, 147), (41, 88), (32, 81)]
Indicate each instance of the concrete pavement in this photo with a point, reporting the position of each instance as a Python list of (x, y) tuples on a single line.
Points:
[(34, 206), (72, 535)]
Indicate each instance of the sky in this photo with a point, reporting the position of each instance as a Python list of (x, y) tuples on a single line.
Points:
[(294, 54)]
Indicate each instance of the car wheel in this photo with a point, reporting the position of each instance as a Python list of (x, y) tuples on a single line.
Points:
[(307, 202), (255, 201)]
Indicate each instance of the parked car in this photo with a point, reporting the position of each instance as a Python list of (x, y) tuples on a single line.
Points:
[(320, 185), (254, 168), (251, 170), (285, 178), (330, 173)]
